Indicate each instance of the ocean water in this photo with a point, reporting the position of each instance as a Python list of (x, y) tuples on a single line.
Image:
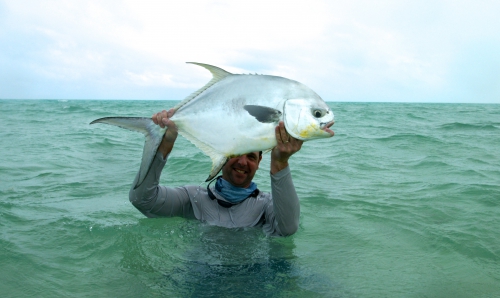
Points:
[(402, 202)]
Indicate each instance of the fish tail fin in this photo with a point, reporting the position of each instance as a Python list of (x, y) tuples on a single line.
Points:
[(146, 126)]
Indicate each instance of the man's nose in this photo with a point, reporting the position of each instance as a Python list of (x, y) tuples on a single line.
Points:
[(242, 160)]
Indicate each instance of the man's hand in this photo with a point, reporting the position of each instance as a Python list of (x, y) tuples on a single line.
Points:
[(163, 120), (286, 147)]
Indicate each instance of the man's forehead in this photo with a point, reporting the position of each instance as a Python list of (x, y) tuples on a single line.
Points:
[(256, 153)]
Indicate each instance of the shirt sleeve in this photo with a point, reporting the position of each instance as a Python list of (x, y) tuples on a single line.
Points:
[(155, 200), (286, 206)]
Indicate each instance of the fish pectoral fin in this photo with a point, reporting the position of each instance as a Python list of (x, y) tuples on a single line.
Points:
[(263, 114), (217, 163)]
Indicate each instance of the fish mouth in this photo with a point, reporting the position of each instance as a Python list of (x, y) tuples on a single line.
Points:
[(326, 127)]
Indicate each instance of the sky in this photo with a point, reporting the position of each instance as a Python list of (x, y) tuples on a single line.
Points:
[(354, 51)]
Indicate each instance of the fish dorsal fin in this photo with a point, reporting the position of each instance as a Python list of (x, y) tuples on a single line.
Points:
[(217, 73)]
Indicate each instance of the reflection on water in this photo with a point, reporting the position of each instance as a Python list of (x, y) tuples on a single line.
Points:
[(271, 278), (191, 259)]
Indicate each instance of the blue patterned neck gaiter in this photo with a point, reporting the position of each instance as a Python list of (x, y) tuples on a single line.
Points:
[(233, 193)]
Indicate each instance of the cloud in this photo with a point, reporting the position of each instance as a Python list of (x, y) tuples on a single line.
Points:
[(345, 50)]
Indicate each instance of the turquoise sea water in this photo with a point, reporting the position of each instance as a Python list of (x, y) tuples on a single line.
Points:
[(402, 202)]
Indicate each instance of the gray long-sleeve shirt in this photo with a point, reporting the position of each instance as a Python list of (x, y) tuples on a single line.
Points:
[(277, 212)]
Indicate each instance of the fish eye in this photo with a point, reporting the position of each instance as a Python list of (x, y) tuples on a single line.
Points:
[(318, 113)]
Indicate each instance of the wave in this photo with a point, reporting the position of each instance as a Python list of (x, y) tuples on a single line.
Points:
[(414, 116), (470, 126), (409, 138)]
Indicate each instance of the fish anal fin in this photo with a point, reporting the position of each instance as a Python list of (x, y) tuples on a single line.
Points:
[(217, 163), (263, 114), (267, 150), (219, 159)]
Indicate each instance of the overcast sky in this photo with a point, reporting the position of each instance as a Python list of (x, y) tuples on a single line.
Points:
[(404, 51)]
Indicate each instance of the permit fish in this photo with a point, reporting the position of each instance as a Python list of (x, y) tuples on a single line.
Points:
[(234, 114)]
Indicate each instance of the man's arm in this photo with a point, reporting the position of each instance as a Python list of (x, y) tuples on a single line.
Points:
[(151, 198), (285, 200)]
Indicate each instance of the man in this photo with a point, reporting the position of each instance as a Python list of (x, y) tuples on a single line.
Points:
[(234, 200)]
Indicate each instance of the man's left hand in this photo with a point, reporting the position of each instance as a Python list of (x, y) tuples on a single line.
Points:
[(286, 147)]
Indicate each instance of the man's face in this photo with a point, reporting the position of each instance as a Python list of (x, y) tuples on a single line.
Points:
[(239, 171)]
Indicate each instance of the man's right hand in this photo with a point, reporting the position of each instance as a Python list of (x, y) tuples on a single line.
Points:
[(163, 120)]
